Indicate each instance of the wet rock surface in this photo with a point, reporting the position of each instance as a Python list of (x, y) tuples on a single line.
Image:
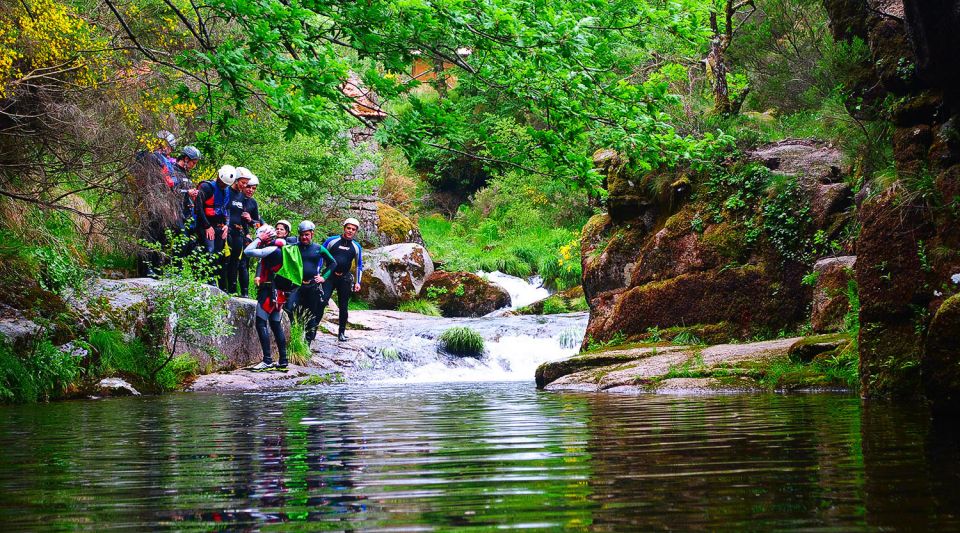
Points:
[(671, 369), (830, 302), (395, 273), (464, 294)]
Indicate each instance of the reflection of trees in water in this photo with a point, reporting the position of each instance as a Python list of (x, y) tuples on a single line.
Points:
[(366, 459), (668, 461)]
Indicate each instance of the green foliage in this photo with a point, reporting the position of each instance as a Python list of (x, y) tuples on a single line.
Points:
[(434, 292), (810, 279), (554, 306), (298, 349), (333, 378), (616, 339), (58, 271), (653, 334), (146, 367), (462, 341), (685, 338), (769, 206), (421, 306), (42, 373), (512, 227), (195, 311), (357, 304)]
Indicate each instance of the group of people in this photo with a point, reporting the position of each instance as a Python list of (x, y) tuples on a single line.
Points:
[(220, 217)]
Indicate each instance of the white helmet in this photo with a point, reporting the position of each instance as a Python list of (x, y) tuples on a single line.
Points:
[(243, 172), (353, 221), (167, 137), (253, 180), (227, 174), (266, 231)]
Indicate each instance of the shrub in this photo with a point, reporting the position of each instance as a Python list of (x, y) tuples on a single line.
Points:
[(554, 306), (421, 306), (462, 341), (685, 338), (44, 373), (298, 349)]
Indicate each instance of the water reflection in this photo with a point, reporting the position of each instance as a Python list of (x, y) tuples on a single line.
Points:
[(481, 456)]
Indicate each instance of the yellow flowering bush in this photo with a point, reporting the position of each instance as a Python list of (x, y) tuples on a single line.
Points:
[(46, 35)]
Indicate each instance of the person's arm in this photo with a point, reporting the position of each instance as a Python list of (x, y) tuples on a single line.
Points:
[(326, 259), (356, 285), (253, 249), (202, 221), (254, 211)]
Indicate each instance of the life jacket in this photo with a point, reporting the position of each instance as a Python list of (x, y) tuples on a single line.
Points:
[(217, 204), (276, 297)]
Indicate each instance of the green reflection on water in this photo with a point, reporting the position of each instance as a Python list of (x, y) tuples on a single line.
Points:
[(474, 456)]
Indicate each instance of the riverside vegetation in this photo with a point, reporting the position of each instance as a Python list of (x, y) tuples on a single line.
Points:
[(565, 140)]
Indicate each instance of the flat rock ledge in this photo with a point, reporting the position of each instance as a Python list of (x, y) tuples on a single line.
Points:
[(245, 380), (723, 368)]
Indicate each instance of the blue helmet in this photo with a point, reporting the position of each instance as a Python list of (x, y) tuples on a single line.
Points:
[(191, 152)]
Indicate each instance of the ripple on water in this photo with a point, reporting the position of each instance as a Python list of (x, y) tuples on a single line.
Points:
[(482, 456)]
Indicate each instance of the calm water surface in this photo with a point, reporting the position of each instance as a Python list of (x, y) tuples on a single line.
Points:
[(480, 456)]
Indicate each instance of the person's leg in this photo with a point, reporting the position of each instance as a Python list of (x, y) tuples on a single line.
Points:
[(277, 328), (344, 289), (263, 333), (235, 240), (312, 303), (220, 260), (244, 274)]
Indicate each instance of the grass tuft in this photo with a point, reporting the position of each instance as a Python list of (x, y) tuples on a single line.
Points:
[(462, 341), (421, 306)]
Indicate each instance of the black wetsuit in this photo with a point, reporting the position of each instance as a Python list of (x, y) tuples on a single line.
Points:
[(344, 251), (307, 300), (270, 301), (237, 264), (212, 210)]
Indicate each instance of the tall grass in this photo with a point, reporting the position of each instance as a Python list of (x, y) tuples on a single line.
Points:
[(43, 373), (298, 349), (472, 245), (420, 306), (462, 341), (137, 362)]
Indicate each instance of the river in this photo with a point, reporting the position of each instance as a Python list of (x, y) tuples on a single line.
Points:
[(419, 441), (475, 455)]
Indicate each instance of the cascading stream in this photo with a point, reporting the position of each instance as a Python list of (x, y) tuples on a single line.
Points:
[(404, 348)]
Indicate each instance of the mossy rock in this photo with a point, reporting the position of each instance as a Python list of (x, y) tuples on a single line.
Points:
[(394, 227), (567, 301), (941, 360), (464, 294), (809, 348)]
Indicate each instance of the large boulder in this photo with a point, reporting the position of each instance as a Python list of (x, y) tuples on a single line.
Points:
[(463, 294), (126, 305), (941, 362), (819, 169), (830, 302), (393, 227), (394, 273)]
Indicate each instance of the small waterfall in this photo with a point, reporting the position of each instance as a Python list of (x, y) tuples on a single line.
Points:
[(508, 358), (522, 292), (406, 348)]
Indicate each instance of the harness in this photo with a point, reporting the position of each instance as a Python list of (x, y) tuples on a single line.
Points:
[(217, 204)]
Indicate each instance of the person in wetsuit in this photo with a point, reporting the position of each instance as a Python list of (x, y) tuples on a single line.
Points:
[(213, 219), (244, 215), (307, 300), (270, 299), (345, 250), (254, 210)]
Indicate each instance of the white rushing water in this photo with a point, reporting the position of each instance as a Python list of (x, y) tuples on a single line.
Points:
[(522, 292), (509, 358)]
